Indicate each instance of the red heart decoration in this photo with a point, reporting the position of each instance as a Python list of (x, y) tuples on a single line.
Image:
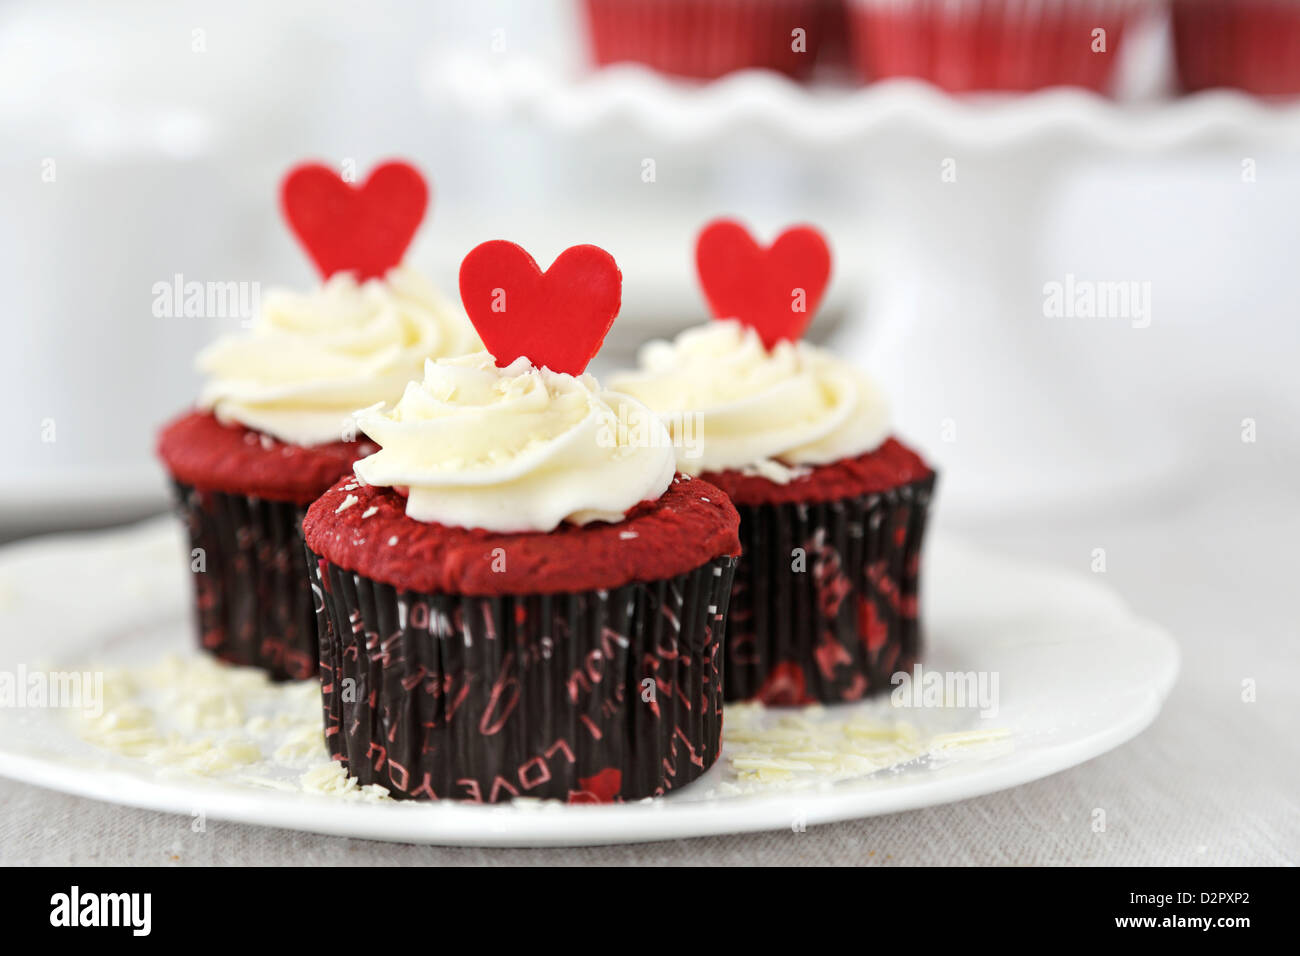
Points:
[(557, 318), (360, 229), (601, 787), (758, 286)]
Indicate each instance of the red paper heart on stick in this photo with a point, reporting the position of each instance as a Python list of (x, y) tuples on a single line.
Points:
[(775, 290), (360, 229), (557, 318)]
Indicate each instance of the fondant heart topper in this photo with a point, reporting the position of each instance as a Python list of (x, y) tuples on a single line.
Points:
[(774, 291), (363, 229), (557, 318)]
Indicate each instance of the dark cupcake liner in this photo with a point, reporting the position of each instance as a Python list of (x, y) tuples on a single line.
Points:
[(252, 593), (596, 696), (824, 606)]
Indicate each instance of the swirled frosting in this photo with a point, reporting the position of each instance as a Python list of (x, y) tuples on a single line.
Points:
[(730, 403), (516, 448), (313, 359)]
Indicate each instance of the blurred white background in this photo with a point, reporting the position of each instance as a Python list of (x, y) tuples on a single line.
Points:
[(146, 139)]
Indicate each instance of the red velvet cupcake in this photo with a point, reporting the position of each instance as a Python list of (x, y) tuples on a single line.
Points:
[(825, 603), (273, 430), (706, 39), (970, 45), (242, 495), (1251, 45), (832, 509), (518, 597)]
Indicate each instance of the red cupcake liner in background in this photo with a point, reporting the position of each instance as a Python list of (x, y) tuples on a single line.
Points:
[(253, 602), (824, 605), (1251, 45), (970, 45), (594, 696), (833, 53), (706, 39)]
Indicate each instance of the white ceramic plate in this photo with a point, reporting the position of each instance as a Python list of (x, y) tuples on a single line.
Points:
[(1077, 673)]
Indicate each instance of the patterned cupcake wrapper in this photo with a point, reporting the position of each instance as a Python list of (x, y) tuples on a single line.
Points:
[(706, 39), (824, 607), (252, 593), (594, 696)]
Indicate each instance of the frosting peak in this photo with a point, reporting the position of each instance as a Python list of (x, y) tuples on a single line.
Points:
[(518, 448), (756, 408), (313, 358)]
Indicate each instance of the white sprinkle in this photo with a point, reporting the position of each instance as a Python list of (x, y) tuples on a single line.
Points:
[(704, 499), (968, 738), (627, 535), (267, 442), (392, 541), (348, 502), (369, 511)]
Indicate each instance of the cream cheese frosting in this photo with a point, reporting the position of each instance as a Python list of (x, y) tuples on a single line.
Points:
[(518, 448), (312, 359), (731, 403)]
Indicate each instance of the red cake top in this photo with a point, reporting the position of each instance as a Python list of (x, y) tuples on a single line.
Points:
[(892, 465), (365, 529), (200, 451)]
